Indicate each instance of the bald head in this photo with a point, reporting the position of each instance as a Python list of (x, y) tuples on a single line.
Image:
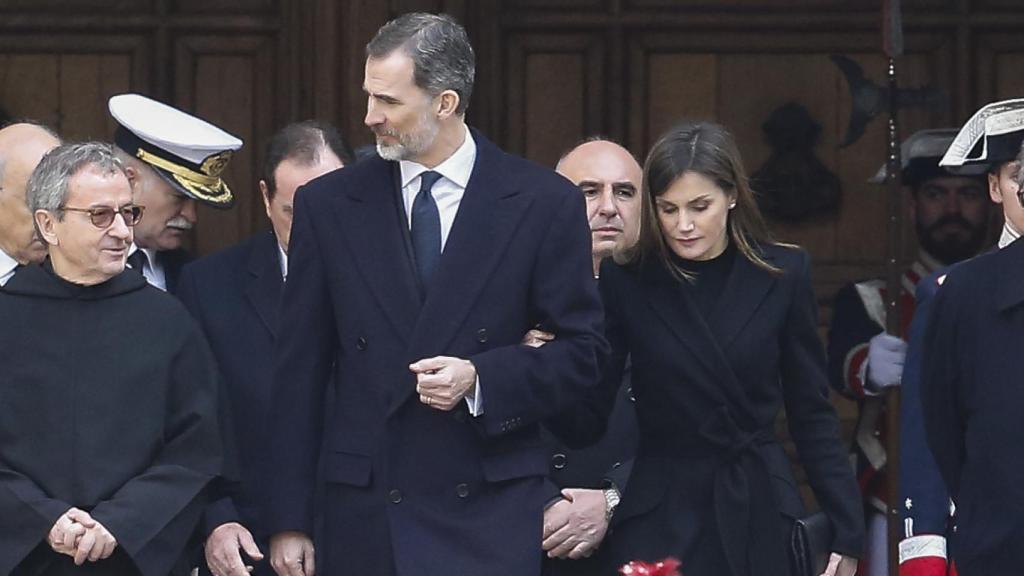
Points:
[(609, 178), (22, 146)]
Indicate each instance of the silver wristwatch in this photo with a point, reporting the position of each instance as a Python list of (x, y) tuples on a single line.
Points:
[(611, 501)]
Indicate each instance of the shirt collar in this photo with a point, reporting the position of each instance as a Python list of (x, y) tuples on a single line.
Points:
[(7, 264), (1008, 236), (282, 258), (457, 168)]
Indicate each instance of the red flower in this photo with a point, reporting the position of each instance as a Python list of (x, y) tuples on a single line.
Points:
[(666, 567)]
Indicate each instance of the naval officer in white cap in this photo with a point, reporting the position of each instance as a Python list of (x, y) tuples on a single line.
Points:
[(173, 160)]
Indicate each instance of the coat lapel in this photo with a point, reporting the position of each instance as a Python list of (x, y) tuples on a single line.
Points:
[(745, 291), (488, 216), (371, 220), (264, 284), (1010, 289), (703, 338)]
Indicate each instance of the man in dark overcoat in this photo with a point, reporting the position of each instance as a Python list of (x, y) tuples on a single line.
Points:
[(413, 278), (971, 390), (235, 296)]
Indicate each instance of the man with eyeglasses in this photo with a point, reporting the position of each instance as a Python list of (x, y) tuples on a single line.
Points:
[(108, 419), (173, 161), (22, 145)]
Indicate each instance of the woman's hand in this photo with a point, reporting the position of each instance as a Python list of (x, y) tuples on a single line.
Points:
[(839, 565)]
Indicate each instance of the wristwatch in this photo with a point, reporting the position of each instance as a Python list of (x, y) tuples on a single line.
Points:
[(611, 501)]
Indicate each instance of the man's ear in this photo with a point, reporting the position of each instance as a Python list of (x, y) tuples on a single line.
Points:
[(45, 222), (448, 103), (265, 193), (993, 188)]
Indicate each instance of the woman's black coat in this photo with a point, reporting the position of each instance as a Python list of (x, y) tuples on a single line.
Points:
[(712, 479)]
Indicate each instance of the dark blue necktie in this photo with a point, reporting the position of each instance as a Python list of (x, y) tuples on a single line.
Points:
[(426, 229)]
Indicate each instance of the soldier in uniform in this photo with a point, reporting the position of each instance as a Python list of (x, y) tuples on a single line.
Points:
[(970, 391), (173, 161), (950, 214)]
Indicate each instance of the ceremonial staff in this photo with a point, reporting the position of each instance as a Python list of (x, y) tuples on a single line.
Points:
[(892, 45), (868, 100)]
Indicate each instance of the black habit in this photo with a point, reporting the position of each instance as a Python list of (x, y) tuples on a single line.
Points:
[(108, 404)]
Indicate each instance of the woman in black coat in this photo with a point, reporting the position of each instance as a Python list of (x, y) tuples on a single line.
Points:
[(720, 324)]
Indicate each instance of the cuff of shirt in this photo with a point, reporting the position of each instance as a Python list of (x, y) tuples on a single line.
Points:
[(475, 400)]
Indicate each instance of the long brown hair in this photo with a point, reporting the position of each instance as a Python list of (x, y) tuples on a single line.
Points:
[(707, 149)]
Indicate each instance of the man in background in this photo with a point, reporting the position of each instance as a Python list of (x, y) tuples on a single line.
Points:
[(950, 213), (592, 479), (173, 160), (22, 146), (235, 296)]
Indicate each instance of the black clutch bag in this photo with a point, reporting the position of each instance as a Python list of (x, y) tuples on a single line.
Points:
[(811, 544)]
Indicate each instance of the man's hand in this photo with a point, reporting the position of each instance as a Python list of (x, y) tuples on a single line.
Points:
[(839, 565), (886, 354), (575, 526), (65, 533), (96, 544), (291, 554), (222, 550), (536, 338), (443, 381)]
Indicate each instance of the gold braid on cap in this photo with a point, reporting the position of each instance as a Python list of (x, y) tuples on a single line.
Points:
[(207, 187)]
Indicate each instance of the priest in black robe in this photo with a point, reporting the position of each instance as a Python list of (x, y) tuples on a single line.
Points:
[(108, 393)]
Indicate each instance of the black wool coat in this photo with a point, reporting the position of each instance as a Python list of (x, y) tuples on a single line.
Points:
[(971, 395), (712, 485)]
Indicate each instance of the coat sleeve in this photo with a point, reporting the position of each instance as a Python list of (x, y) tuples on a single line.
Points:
[(848, 341), (523, 385), (154, 513), (307, 342), (221, 509), (923, 496), (813, 422), (586, 421), (941, 401), (27, 515)]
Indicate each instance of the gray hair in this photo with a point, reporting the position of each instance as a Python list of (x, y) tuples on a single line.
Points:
[(439, 48), (47, 188)]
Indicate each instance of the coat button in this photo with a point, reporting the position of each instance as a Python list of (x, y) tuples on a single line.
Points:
[(462, 490), (395, 496), (629, 392), (558, 461), (481, 335), (617, 465), (361, 343)]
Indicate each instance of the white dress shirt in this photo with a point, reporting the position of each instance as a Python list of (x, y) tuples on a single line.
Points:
[(151, 270), (447, 192), (1008, 235), (7, 267), (282, 258)]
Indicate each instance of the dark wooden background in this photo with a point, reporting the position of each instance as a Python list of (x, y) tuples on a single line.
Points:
[(549, 73)]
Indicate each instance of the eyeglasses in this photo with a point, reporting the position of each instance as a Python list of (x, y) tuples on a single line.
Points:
[(103, 216)]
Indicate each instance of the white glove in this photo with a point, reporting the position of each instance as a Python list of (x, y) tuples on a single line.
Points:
[(886, 354)]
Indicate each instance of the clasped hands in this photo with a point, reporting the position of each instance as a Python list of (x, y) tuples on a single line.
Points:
[(79, 535), (575, 525), (443, 381)]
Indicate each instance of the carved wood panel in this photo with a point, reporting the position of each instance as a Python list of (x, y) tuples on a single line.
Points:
[(555, 92), (231, 84)]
